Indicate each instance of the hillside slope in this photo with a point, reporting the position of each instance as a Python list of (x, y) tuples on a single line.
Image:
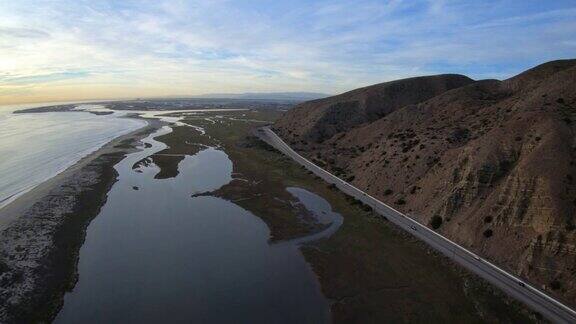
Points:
[(491, 164), (320, 119)]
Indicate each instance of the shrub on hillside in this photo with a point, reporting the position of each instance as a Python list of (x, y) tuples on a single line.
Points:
[(400, 201), (436, 222)]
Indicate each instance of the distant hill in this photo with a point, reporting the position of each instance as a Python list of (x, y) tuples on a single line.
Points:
[(289, 96), (490, 164), (320, 119)]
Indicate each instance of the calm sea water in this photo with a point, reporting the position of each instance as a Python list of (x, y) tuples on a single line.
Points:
[(157, 255), (35, 147)]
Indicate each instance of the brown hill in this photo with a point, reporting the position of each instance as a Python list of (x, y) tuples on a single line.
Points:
[(492, 162), (320, 119)]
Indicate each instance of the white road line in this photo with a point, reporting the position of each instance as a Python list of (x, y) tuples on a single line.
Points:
[(514, 286)]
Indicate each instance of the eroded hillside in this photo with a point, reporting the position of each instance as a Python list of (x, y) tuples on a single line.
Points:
[(490, 164)]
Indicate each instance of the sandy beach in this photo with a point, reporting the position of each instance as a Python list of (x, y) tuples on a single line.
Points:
[(42, 231)]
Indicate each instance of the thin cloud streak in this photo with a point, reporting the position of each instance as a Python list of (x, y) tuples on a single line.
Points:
[(101, 48)]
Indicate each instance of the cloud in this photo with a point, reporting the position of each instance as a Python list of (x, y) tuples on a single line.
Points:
[(42, 78), (531, 19), (6, 32), (190, 47)]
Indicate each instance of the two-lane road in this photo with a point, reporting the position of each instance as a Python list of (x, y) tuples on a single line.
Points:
[(512, 285)]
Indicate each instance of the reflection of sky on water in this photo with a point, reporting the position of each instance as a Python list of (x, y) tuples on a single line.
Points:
[(156, 254), (35, 147)]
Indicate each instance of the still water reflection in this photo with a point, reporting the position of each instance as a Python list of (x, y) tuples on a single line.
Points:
[(157, 255)]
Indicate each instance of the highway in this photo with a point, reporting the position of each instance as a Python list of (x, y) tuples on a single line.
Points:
[(514, 286)]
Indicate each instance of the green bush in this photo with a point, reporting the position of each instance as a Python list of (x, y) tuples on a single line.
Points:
[(555, 284), (436, 222)]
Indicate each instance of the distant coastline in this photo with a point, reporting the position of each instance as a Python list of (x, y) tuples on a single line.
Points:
[(53, 159)]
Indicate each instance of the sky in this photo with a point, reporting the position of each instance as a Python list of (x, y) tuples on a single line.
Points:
[(55, 50)]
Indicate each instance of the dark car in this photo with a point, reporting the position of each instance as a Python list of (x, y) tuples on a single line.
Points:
[(521, 284)]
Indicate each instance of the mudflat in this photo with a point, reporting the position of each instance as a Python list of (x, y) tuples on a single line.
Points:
[(42, 231), (368, 270)]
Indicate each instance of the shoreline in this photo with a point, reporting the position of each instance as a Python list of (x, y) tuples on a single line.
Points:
[(10, 212), (375, 289), (12, 193), (42, 231)]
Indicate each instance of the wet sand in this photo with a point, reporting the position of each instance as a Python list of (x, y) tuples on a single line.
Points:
[(367, 270), (42, 231)]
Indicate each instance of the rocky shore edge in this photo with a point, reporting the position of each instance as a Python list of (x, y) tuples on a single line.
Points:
[(41, 233)]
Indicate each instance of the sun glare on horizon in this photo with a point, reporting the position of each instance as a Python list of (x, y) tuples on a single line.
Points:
[(71, 50)]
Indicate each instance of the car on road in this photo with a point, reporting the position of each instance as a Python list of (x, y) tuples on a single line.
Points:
[(521, 284), (413, 227)]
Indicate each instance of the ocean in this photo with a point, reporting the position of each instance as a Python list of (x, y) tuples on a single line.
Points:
[(36, 147)]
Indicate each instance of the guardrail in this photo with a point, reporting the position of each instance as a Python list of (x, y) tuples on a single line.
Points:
[(463, 253)]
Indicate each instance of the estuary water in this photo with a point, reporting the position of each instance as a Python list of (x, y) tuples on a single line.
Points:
[(36, 147), (155, 254)]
